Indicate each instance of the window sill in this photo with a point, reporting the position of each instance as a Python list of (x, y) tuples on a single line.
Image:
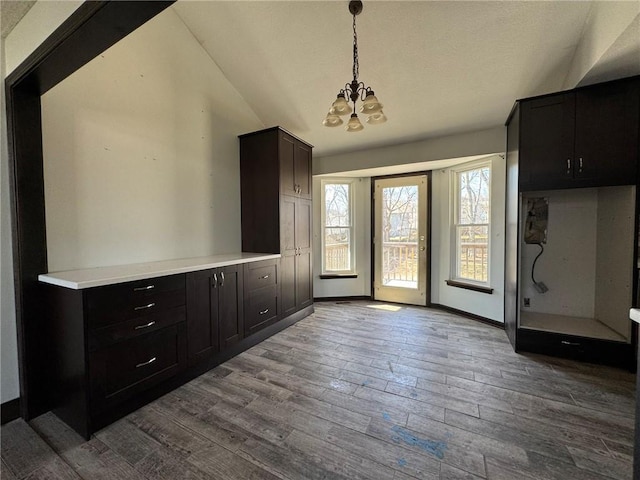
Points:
[(331, 276), (469, 286)]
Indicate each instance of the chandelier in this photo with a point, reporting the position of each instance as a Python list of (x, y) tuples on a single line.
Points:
[(354, 91)]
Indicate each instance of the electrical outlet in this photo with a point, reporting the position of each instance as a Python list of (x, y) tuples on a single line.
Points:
[(527, 302)]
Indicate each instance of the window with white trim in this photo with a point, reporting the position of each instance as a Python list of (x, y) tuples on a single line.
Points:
[(338, 251), (471, 233)]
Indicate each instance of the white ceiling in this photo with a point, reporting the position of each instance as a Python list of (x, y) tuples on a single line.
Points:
[(438, 67)]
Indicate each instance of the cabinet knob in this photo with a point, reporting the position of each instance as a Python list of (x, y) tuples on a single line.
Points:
[(568, 166), (222, 279), (214, 280), (580, 165)]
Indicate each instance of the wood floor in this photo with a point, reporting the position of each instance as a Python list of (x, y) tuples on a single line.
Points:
[(359, 391)]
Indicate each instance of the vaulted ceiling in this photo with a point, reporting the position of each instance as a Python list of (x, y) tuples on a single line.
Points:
[(438, 67)]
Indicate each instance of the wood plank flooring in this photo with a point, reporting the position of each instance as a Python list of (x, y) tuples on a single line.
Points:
[(359, 390)]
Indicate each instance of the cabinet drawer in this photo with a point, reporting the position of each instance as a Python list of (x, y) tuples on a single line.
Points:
[(260, 274), (135, 327), (261, 309), (126, 368), (118, 303)]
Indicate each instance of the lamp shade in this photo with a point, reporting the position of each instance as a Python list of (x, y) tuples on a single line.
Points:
[(332, 120), (340, 106), (370, 104), (354, 125), (376, 118)]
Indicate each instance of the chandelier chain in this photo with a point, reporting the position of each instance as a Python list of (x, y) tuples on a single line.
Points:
[(355, 51)]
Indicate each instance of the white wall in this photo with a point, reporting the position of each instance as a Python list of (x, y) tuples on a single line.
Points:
[(482, 142), (141, 154), (34, 28), (568, 265), (606, 24), (9, 385), (345, 287), (486, 305)]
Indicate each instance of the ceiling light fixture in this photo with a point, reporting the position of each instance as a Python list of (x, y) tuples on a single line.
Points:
[(353, 91)]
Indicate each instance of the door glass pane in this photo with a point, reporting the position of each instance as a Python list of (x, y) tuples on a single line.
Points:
[(473, 259), (400, 236), (336, 249)]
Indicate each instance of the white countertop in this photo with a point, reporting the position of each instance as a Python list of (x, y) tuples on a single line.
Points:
[(634, 314), (100, 276)]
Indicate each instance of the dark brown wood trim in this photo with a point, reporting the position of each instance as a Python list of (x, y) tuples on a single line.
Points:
[(90, 30), (473, 316), (10, 410), (329, 276), (469, 286), (343, 299)]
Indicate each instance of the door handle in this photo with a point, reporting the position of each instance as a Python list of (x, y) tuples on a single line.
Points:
[(568, 166), (580, 165), (214, 280), (222, 279), (263, 311), (422, 249)]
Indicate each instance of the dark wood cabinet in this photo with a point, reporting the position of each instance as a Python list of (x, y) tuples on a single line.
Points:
[(214, 311), (112, 344), (581, 138), (261, 295), (587, 137), (275, 170), (295, 166)]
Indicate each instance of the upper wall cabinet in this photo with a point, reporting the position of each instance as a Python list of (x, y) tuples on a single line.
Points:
[(581, 138), (295, 166)]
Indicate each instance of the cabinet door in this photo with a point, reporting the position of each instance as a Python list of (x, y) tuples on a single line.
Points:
[(546, 142), (230, 313), (288, 283), (606, 146), (287, 224), (287, 154), (202, 316), (302, 169), (304, 279)]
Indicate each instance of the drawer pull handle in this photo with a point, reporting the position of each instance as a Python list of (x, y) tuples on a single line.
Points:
[(144, 307), (263, 312), (150, 324), (148, 362), (264, 277), (575, 344), (142, 289)]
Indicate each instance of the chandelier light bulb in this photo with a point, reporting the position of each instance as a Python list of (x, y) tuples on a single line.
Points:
[(370, 104), (354, 125), (377, 118), (332, 120), (340, 106)]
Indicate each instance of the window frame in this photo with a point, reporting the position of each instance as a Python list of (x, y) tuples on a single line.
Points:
[(454, 276), (323, 226)]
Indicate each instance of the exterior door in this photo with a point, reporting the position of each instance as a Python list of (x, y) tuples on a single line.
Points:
[(400, 239)]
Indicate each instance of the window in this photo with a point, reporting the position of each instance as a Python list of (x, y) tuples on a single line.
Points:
[(472, 199), (338, 255)]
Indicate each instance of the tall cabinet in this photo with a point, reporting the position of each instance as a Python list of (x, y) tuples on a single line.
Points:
[(571, 217), (275, 172)]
